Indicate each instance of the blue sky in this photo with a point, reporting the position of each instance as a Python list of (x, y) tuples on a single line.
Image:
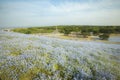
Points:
[(24, 13)]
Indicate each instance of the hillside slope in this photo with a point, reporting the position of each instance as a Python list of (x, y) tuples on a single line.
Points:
[(27, 57)]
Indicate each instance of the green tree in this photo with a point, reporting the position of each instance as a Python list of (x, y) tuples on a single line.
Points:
[(104, 36)]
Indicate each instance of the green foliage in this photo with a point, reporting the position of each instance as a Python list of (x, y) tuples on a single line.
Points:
[(15, 52), (33, 30), (28, 32), (104, 36), (57, 67), (70, 28), (66, 31)]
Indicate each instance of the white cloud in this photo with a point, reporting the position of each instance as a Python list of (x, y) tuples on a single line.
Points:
[(35, 13)]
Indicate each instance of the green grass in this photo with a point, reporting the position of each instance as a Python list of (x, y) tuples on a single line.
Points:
[(32, 30)]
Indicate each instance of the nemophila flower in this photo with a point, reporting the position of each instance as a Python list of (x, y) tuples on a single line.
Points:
[(42, 58)]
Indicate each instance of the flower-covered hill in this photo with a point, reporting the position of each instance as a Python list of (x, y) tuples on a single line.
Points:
[(27, 57)]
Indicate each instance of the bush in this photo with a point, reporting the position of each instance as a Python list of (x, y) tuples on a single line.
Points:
[(66, 31), (28, 32), (104, 36)]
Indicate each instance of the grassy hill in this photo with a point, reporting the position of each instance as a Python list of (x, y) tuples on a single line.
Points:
[(29, 57)]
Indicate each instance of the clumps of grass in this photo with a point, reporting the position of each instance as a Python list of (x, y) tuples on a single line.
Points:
[(15, 52), (48, 57), (57, 67), (105, 67), (59, 70), (80, 75), (29, 47), (5, 76), (6, 37), (114, 69), (35, 72), (32, 73), (11, 72), (114, 57)]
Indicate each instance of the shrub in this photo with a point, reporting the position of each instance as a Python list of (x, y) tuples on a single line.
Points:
[(28, 32), (104, 36)]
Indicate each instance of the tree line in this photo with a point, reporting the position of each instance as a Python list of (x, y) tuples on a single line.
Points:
[(70, 28)]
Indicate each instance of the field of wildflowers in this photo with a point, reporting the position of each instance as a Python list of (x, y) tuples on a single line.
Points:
[(28, 57)]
